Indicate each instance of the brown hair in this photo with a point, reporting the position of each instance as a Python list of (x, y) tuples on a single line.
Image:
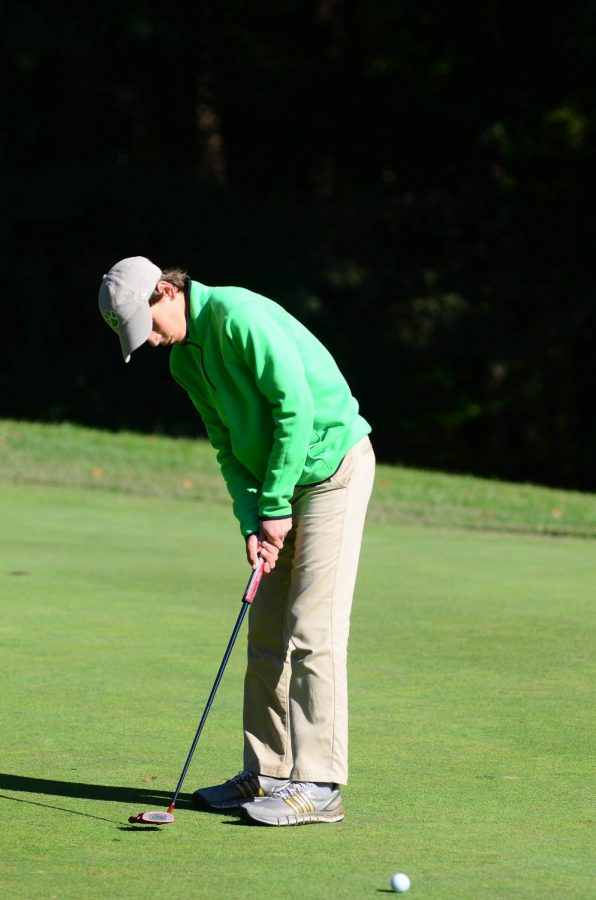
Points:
[(177, 277)]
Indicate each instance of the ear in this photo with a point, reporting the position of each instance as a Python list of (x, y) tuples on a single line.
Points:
[(165, 288)]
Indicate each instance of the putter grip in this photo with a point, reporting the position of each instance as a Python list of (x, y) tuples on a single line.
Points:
[(253, 583)]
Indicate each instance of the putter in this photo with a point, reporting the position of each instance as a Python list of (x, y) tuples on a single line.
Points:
[(158, 817)]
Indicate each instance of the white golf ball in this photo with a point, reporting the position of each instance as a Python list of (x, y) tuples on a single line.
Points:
[(400, 882)]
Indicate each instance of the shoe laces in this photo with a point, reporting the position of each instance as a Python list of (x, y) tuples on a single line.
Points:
[(243, 776), (288, 790)]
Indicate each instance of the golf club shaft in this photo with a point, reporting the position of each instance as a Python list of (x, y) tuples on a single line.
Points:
[(248, 597)]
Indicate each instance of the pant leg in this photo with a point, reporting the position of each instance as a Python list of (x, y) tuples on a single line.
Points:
[(295, 693), (329, 520), (267, 745)]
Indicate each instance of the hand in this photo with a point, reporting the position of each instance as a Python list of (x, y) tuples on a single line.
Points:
[(274, 531), (255, 547)]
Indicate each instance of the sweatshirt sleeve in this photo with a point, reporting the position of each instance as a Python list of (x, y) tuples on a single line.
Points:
[(242, 486), (270, 353)]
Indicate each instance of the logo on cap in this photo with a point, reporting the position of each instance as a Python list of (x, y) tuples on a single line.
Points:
[(111, 318)]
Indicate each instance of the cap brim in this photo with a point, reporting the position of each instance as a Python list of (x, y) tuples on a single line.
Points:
[(136, 331)]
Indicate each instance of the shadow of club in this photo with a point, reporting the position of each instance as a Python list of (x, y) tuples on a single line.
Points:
[(73, 812)]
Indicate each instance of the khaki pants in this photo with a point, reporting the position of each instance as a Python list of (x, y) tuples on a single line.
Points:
[(295, 690)]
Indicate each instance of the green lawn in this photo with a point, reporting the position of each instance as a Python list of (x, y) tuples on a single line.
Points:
[(147, 465), (471, 670)]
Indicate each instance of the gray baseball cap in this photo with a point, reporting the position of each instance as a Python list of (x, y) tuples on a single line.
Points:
[(124, 300)]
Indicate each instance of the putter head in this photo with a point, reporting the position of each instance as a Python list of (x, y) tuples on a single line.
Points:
[(152, 817)]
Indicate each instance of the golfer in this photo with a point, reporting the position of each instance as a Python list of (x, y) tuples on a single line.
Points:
[(295, 455)]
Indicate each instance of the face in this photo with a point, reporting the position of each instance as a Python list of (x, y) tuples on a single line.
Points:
[(169, 319)]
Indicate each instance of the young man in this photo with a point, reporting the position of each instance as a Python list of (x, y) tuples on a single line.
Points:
[(299, 466)]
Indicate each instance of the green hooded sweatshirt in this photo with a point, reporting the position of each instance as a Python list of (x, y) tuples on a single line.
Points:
[(275, 405)]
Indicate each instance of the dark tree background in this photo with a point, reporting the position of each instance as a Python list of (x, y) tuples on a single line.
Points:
[(414, 180)]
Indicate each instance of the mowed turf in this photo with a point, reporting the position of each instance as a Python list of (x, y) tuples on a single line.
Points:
[(470, 670)]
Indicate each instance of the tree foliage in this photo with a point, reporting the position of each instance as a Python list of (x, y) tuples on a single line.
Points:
[(413, 180)]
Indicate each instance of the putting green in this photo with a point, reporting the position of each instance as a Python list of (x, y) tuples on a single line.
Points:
[(470, 670)]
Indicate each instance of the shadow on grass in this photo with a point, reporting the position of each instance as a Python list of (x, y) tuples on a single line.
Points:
[(74, 812), (145, 797)]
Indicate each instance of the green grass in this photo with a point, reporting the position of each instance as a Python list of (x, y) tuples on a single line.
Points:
[(72, 456), (471, 672)]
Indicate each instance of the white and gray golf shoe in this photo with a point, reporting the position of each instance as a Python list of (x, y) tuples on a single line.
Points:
[(297, 803)]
